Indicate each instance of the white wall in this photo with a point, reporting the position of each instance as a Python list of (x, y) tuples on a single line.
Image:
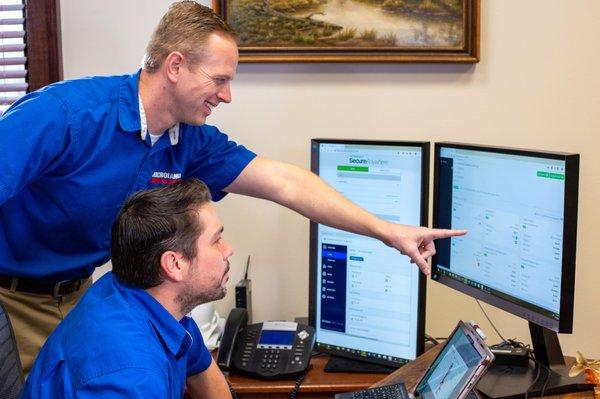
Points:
[(536, 86)]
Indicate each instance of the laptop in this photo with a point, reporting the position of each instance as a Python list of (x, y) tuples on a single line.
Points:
[(452, 375)]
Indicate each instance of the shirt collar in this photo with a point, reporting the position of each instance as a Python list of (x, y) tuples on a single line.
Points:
[(131, 112), (172, 334), (173, 131)]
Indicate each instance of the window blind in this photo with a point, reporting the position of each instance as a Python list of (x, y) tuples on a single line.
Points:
[(13, 61)]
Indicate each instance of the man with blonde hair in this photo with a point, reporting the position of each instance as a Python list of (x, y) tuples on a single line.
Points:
[(73, 151)]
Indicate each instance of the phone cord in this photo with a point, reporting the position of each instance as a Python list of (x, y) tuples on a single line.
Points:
[(299, 381), (233, 394)]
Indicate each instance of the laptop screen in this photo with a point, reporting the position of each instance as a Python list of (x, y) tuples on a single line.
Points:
[(451, 370)]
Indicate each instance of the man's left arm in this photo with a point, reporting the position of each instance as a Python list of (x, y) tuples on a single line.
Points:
[(209, 384), (307, 194)]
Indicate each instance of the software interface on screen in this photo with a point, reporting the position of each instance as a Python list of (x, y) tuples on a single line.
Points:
[(367, 299), (451, 370), (513, 208)]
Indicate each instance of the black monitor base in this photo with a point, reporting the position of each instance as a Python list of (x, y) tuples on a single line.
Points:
[(511, 381), (508, 382), (343, 365)]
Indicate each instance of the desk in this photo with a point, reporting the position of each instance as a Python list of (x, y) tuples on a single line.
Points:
[(412, 372), (319, 384)]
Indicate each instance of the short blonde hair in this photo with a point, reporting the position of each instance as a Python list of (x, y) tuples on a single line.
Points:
[(185, 28)]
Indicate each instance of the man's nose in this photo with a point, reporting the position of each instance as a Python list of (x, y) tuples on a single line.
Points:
[(225, 94), (228, 250)]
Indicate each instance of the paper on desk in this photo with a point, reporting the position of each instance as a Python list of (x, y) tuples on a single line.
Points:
[(210, 324)]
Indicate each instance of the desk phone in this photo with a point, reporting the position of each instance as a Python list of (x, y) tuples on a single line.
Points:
[(269, 350)]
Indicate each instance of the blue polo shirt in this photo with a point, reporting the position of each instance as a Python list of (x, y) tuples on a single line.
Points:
[(118, 342), (71, 153)]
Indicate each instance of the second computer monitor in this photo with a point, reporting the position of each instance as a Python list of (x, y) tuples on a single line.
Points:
[(520, 208), (367, 300)]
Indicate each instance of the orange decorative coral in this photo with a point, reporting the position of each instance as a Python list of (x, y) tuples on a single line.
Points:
[(591, 368)]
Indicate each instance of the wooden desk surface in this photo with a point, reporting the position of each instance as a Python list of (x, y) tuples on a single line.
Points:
[(412, 372), (319, 384)]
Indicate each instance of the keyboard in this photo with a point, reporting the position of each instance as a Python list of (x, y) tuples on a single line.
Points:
[(394, 391)]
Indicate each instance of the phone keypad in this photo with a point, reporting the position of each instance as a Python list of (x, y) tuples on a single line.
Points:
[(271, 359)]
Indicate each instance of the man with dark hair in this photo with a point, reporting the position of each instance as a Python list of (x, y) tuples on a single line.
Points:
[(72, 152), (129, 336)]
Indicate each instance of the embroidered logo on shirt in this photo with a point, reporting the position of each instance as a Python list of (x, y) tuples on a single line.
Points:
[(165, 178)]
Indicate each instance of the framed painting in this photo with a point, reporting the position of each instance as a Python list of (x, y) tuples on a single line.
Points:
[(354, 30)]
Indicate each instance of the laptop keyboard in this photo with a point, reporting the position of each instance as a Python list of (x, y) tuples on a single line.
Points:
[(395, 391)]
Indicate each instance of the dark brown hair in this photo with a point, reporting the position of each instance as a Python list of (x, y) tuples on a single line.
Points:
[(152, 222)]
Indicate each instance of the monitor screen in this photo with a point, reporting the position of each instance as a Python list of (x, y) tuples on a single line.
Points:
[(366, 299), (520, 210)]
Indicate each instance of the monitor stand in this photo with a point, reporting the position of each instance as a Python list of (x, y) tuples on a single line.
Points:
[(507, 382), (343, 365)]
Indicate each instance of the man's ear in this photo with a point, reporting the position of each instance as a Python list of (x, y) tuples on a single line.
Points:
[(173, 64), (174, 266)]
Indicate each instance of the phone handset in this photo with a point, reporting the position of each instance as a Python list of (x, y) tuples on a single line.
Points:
[(237, 320)]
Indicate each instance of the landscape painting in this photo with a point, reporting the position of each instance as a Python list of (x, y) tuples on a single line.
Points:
[(354, 30)]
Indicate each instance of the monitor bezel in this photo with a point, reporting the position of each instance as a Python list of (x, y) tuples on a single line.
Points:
[(425, 160), (565, 322)]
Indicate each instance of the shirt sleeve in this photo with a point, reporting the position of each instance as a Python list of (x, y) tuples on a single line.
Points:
[(218, 161), (33, 141), (199, 358), (130, 383)]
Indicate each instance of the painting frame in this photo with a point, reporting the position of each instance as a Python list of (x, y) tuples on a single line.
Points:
[(468, 52)]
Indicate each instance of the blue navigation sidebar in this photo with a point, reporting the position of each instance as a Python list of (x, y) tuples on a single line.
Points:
[(333, 287)]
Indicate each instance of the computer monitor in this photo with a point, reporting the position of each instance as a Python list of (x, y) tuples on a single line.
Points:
[(520, 210), (366, 300)]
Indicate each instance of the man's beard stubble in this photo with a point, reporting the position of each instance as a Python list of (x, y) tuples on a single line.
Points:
[(189, 298)]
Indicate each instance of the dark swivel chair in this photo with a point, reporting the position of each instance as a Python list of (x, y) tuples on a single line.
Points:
[(11, 372)]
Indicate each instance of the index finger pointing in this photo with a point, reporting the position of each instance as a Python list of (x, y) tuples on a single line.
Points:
[(445, 233)]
